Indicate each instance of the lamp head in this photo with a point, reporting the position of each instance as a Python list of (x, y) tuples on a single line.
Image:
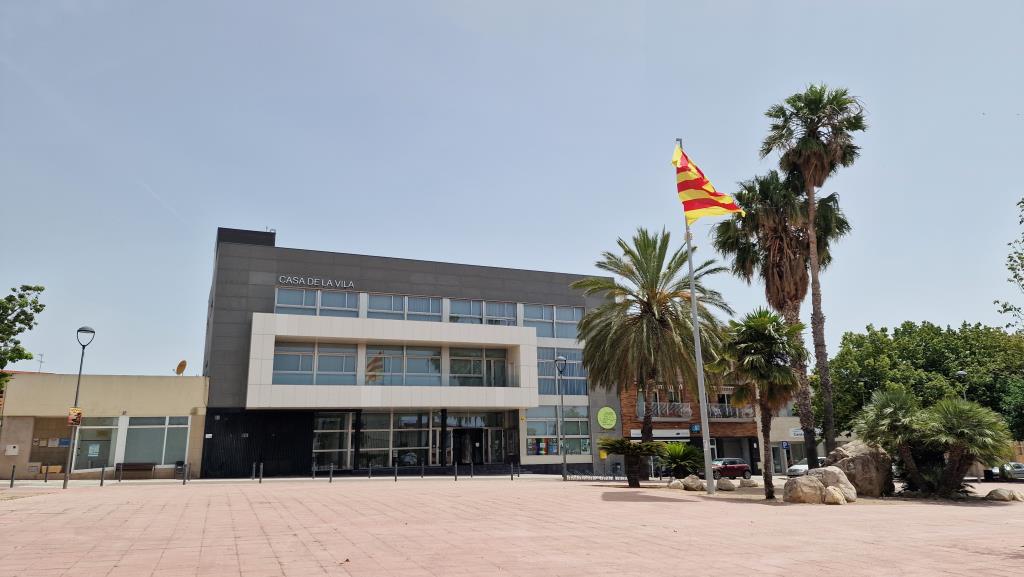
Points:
[(85, 336), (560, 364), (961, 374)]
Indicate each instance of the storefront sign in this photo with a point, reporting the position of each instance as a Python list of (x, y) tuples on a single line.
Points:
[(315, 282), (602, 454), (74, 416), (606, 418)]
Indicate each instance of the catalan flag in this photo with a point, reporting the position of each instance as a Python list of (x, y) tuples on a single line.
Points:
[(696, 192)]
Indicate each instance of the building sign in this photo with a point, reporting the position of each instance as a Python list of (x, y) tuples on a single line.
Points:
[(695, 428), (606, 418), (315, 282)]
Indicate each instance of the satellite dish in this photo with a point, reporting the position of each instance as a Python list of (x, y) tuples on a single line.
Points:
[(181, 368)]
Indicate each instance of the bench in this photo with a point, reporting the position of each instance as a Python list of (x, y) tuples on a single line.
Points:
[(121, 468)]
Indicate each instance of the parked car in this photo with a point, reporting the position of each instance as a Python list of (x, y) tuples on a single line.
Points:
[(801, 467), (1013, 470), (730, 467)]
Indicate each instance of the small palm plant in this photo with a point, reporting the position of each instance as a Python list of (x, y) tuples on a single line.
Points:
[(967, 432), (757, 354), (893, 420), (683, 458), (634, 452)]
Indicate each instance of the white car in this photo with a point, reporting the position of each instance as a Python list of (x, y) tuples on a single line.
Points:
[(801, 467), (1014, 470)]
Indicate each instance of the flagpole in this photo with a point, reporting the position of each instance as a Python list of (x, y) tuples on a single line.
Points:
[(709, 475)]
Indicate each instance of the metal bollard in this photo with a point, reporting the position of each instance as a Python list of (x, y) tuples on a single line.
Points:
[(423, 467), (103, 473), (511, 472), (369, 470), (12, 475), (456, 471), (330, 474), (120, 472), (471, 469), (261, 472), (253, 477), (396, 470), (313, 468), (46, 473), (184, 474)]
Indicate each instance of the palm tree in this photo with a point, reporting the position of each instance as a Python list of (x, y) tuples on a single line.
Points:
[(633, 453), (769, 241), (967, 432), (893, 420), (757, 355), (682, 458), (813, 132), (642, 335)]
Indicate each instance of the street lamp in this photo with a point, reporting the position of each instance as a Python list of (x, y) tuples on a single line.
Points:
[(962, 376), (559, 369), (85, 336)]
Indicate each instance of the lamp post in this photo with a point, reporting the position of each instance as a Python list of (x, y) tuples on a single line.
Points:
[(962, 377), (85, 336), (559, 369)]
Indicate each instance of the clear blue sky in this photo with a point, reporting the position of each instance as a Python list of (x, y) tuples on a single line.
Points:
[(518, 134)]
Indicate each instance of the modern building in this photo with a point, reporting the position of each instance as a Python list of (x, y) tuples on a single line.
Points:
[(676, 417), (319, 360), (152, 423)]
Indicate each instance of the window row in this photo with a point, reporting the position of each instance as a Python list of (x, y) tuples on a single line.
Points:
[(150, 440), (324, 364), (573, 379), (548, 320)]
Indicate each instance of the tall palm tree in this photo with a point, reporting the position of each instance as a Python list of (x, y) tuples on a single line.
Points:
[(757, 353), (813, 132), (642, 336), (769, 242)]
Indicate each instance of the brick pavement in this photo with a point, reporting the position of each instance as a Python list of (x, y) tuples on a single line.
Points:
[(486, 526)]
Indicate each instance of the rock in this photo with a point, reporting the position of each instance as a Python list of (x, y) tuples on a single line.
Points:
[(1000, 495), (835, 477), (748, 483), (675, 484), (1018, 495), (693, 483), (725, 485), (834, 496), (867, 467), (804, 490)]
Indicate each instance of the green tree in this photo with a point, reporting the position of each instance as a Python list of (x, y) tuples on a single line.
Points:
[(683, 458), (634, 453), (982, 364), (893, 420), (642, 335), (813, 132), (757, 355), (769, 242), (1015, 265), (18, 312)]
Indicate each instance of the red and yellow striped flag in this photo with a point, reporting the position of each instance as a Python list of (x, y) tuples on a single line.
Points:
[(696, 192)]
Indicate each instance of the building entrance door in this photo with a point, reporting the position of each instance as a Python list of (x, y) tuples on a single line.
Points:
[(468, 446)]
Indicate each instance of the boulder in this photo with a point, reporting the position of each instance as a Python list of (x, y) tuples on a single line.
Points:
[(693, 483), (804, 490), (1000, 495), (675, 484), (835, 477), (867, 467), (834, 496), (748, 483), (1018, 495), (725, 485)]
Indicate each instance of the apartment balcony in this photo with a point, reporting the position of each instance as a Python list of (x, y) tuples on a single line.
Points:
[(726, 412), (667, 412)]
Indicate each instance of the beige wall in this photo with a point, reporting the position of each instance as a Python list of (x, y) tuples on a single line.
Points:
[(36, 398)]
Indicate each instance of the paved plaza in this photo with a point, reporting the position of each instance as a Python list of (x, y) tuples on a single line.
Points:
[(486, 526)]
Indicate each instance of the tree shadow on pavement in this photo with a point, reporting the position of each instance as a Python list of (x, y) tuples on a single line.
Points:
[(634, 497)]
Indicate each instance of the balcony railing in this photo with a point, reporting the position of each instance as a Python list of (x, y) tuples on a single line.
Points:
[(726, 411), (667, 411)]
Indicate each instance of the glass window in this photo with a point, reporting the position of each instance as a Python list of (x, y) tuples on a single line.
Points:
[(99, 421), (566, 319), (424, 309), (296, 301), (336, 364), (411, 421), (330, 440), (574, 377), (339, 304), (501, 314), (374, 421), (466, 367), (144, 445), (422, 366), (386, 307), (293, 364), (144, 421), (177, 420), (96, 446), (177, 441), (466, 311), (539, 317)]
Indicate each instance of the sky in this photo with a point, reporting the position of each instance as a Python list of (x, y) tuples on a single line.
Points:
[(526, 134)]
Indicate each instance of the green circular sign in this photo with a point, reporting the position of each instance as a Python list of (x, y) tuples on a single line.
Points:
[(606, 418)]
